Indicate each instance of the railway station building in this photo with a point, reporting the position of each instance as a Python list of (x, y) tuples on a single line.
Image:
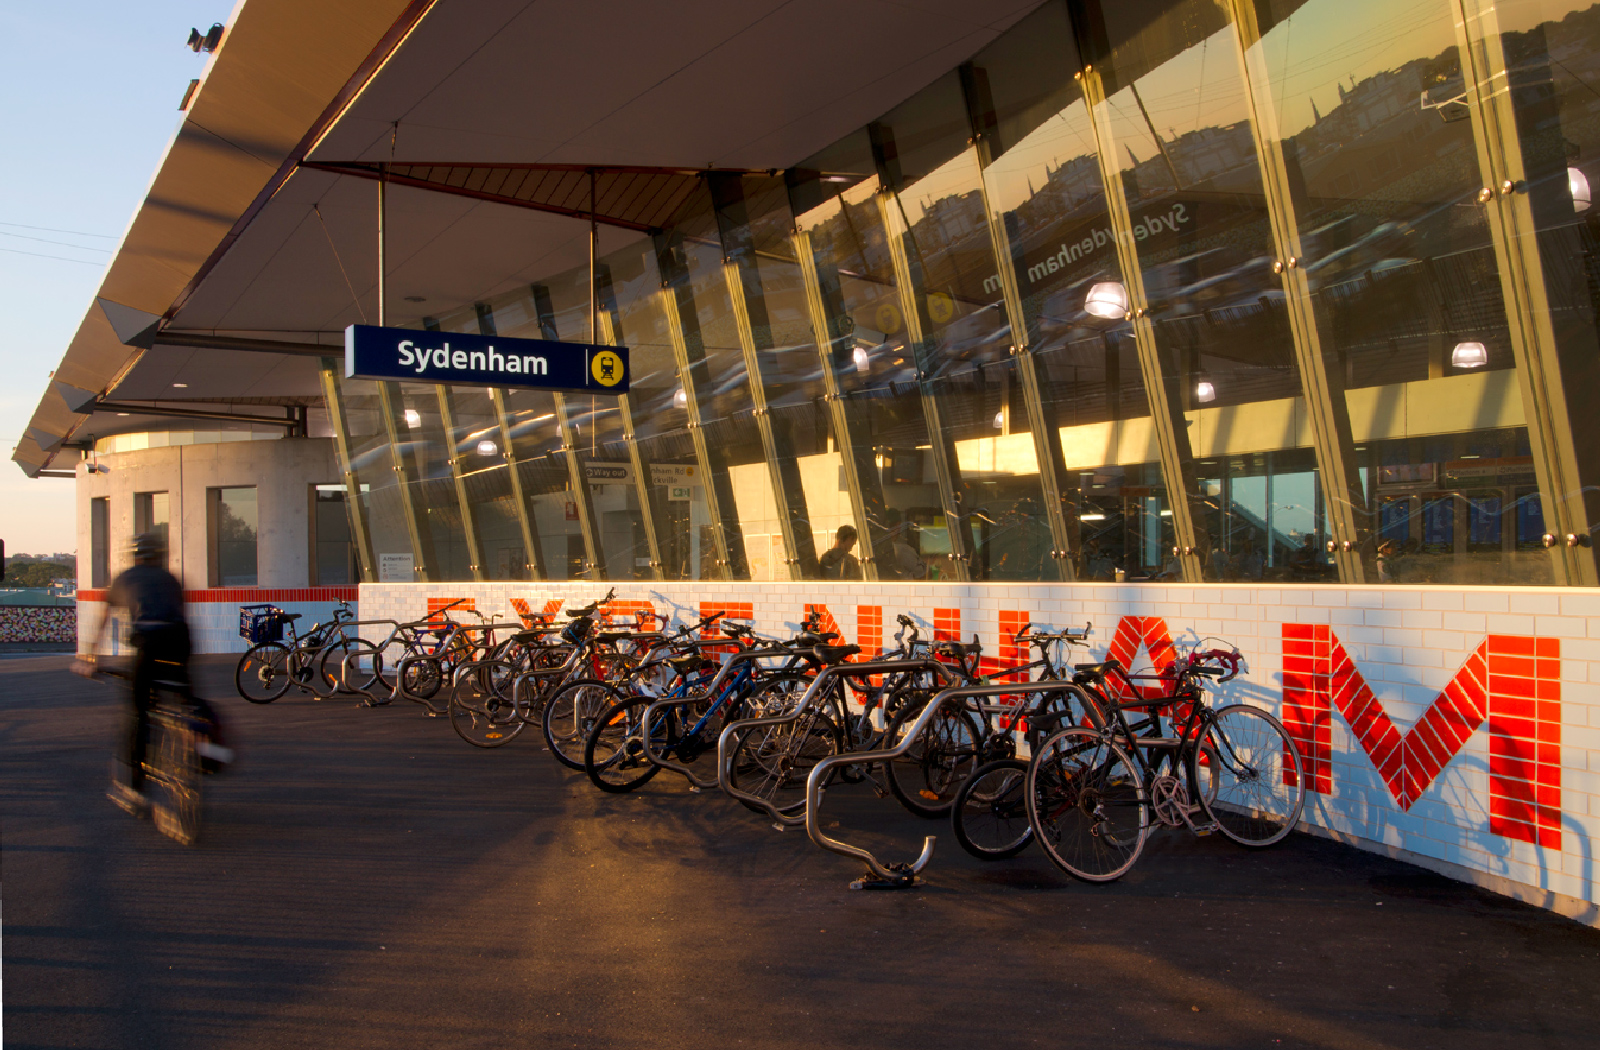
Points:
[(1271, 320)]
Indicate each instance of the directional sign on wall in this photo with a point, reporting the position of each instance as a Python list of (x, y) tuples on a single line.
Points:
[(459, 358)]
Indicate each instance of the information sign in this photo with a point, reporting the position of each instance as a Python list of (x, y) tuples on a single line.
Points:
[(463, 359)]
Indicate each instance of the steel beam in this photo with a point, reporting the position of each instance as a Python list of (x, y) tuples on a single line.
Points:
[(356, 510)]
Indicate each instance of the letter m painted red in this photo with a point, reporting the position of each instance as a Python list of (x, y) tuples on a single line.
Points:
[(1511, 681)]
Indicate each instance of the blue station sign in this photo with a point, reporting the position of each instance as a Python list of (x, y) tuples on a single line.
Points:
[(458, 358)]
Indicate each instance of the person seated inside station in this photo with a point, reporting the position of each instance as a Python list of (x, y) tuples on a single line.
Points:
[(837, 562)]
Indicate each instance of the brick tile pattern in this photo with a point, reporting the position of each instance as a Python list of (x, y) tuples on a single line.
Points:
[(1513, 682), (1502, 779)]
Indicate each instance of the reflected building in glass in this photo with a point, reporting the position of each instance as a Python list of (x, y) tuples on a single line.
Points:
[(1249, 291)]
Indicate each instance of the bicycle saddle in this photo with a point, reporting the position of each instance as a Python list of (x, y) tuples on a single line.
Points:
[(960, 648), (832, 654), (692, 662), (1098, 670)]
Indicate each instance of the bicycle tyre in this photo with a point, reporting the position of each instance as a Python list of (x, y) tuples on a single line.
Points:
[(926, 778), (480, 713), (1255, 804), (773, 762), (614, 754), (570, 714), (990, 813), (1086, 803), (175, 780), (420, 680), (262, 674)]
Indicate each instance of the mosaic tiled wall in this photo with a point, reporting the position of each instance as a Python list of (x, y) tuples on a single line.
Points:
[(1456, 725), (38, 623)]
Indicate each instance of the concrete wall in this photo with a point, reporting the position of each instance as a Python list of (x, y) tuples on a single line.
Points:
[(1456, 727), (281, 470)]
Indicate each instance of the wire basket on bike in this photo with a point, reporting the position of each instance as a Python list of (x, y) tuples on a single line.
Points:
[(261, 623)]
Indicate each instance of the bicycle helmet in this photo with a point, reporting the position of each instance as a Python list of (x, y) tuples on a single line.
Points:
[(148, 546)]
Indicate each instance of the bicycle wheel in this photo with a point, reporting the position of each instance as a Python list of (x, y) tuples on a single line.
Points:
[(175, 780), (481, 711), (926, 778), (570, 714), (1260, 783), (421, 678), (773, 762), (263, 673), (1086, 802), (614, 755), (777, 695), (990, 813)]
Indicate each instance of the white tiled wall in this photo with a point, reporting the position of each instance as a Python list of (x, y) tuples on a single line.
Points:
[(1407, 643)]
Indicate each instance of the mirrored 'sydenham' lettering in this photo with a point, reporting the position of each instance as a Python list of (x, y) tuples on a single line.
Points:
[(461, 358)]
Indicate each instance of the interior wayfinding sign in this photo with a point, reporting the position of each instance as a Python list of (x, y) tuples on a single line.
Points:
[(459, 358)]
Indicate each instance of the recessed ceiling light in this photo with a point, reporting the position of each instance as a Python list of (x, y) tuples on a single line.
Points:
[(181, 386), (415, 299)]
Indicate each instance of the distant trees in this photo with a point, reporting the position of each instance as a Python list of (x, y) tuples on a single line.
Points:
[(21, 573)]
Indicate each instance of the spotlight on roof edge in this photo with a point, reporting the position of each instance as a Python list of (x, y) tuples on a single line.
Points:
[(1107, 299), (1469, 355), (206, 42)]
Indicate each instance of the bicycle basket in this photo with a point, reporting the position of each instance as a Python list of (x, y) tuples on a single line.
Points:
[(260, 623)]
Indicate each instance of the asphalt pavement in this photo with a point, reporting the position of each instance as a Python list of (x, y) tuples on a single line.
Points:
[(367, 879)]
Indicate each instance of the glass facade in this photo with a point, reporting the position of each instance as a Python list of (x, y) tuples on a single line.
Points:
[(1227, 290)]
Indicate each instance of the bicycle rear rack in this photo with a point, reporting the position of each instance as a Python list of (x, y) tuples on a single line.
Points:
[(786, 814), (894, 875)]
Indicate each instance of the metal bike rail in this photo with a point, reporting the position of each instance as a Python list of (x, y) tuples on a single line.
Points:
[(899, 874), (828, 675), (726, 671)]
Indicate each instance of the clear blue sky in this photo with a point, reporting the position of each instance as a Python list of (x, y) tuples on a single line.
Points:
[(91, 91)]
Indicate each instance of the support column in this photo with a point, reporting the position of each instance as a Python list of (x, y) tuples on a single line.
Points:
[(389, 404), (469, 524), (677, 300), (859, 462), (577, 476), (611, 335), (755, 335), (1166, 411), (1346, 503), (530, 535), (357, 511), (1060, 511), (907, 279), (1522, 287)]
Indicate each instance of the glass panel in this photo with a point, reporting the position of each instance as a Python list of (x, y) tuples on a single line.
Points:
[(333, 552), (152, 514), (1553, 64), (1405, 286), (444, 536), (1044, 185), (372, 462), (99, 542), (966, 334), (234, 521), (1186, 156)]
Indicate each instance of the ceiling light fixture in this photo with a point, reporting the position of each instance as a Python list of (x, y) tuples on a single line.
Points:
[(488, 448), (1000, 420), (413, 418), (1578, 186), (1205, 391), (1469, 355), (1108, 299), (862, 361), (180, 386), (680, 399)]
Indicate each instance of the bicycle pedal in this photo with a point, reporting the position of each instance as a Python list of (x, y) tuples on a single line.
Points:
[(694, 789), (1202, 830), (871, 881)]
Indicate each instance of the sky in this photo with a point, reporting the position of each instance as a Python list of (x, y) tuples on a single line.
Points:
[(91, 91)]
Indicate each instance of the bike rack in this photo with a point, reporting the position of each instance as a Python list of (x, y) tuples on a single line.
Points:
[(747, 655), (894, 875), (829, 674)]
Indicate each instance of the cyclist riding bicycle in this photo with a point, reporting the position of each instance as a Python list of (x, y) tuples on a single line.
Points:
[(159, 632)]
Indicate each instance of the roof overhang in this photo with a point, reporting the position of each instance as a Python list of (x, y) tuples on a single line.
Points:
[(261, 222)]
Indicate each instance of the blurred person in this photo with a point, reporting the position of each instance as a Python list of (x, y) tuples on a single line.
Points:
[(896, 558), (159, 632), (837, 562)]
